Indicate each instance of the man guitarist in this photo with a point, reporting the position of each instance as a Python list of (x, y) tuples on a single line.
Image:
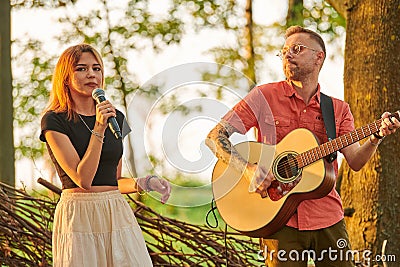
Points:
[(276, 109)]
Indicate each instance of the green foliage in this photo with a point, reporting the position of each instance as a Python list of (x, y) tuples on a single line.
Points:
[(172, 104), (218, 13), (118, 36), (121, 29), (321, 17), (30, 92), (324, 18), (230, 16), (39, 3), (295, 14), (320, 13), (115, 36)]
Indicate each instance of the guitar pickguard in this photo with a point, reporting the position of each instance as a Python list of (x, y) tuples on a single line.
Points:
[(277, 189)]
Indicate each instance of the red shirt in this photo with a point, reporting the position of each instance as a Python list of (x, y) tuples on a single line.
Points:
[(276, 109)]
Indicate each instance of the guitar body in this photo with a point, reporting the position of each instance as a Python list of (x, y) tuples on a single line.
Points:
[(249, 213)]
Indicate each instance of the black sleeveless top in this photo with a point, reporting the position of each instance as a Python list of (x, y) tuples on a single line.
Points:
[(79, 135)]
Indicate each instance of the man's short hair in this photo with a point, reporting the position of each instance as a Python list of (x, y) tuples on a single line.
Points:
[(315, 36)]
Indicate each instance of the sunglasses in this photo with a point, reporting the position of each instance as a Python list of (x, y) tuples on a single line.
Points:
[(294, 49)]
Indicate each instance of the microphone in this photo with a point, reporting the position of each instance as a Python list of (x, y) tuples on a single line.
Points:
[(98, 95)]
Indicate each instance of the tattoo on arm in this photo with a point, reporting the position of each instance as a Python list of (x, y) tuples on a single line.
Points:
[(219, 143)]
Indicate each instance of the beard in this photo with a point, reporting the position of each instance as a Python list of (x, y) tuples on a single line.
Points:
[(294, 73)]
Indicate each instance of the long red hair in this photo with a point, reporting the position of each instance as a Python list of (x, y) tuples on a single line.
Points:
[(60, 95)]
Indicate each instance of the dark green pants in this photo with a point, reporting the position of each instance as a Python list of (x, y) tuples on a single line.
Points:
[(291, 247)]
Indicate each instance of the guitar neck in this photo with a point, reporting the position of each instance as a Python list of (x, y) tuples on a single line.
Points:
[(338, 143)]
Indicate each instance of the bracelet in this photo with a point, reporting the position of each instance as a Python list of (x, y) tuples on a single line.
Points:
[(147, 183), (375, 144), (98, 136)]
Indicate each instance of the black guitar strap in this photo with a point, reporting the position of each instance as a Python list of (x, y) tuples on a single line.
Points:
[(329, 121)]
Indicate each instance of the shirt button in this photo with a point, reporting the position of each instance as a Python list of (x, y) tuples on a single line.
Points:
[(304, 111), (276, 122)]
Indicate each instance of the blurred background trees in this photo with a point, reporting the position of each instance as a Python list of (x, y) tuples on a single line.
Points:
[(121, 31)]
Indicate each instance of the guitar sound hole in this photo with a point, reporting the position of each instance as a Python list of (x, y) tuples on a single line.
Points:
[(286, 168), (287, 175)]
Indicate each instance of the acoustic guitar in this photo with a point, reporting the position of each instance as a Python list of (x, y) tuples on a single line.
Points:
[(300, 172)]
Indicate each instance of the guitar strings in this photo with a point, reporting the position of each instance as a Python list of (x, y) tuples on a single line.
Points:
[(323, 150), (301, 159), (294, 162)]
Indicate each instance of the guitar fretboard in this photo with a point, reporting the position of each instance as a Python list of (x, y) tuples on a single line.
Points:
[(336, 144)]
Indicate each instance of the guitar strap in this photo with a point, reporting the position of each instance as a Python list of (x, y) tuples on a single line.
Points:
[(329, 121)]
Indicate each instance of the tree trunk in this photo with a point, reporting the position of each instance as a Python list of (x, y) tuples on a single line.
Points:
[(294, 15), (7, 169), (249, 43), (372, 84)]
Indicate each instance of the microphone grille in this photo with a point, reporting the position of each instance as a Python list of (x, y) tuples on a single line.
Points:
[(97, 93)]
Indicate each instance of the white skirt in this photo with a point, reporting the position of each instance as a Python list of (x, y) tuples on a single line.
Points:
[(97, 229)]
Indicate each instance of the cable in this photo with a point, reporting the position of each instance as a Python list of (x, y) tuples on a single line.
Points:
[(212, 211)]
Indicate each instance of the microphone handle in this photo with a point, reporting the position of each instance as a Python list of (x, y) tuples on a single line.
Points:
[(112, 122), (114, 127)]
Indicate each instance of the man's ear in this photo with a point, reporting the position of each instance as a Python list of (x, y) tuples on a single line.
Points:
[(321, 57)]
